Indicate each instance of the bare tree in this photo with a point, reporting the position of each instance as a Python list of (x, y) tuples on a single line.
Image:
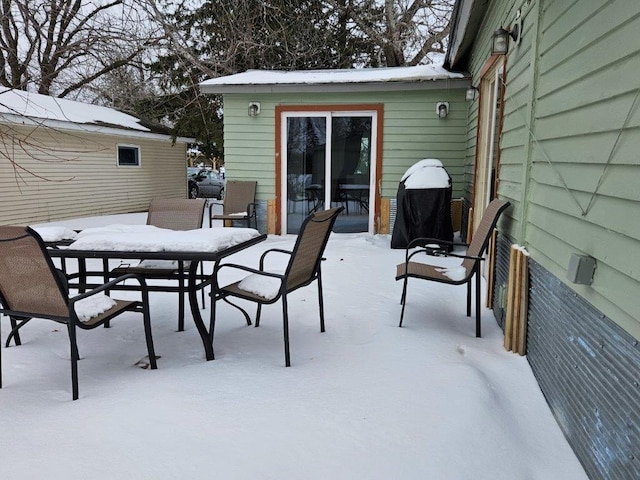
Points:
[(405, 32), (59, 46)]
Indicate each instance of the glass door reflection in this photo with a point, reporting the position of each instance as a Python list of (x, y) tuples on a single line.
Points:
[(306, 164), (351, 171), (346, 163)]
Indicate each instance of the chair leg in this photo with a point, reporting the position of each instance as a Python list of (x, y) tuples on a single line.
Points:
[(285, 324), (403, 300), (246, 315), (14, 333), (212, 317), (181, 292), (478, 306), (404, 291), (74, 359), (258, 312), (320, 301), (469, 297)]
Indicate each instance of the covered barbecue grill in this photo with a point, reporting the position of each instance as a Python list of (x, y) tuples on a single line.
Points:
[(423, 204)]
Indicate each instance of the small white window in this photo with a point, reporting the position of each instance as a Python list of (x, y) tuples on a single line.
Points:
[(128, 156)]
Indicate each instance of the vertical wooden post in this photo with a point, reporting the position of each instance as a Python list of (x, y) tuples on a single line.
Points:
[(385, 214), (524, 307), (515, 326), (271, 217), (508, 321), (516, 299), (456, 214)]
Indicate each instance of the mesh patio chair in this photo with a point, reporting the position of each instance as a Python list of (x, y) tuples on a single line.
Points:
[(302, 269), (239, 203), (31, 287), (176, 213), (173, 214), (470, 264)]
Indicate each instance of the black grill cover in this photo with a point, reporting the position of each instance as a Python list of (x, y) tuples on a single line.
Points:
[(422, 213)]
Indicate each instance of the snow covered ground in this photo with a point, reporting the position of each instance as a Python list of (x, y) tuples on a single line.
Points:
[(364, 400)]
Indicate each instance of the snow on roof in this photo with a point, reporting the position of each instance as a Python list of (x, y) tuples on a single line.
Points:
[(419, 73), (18, 103)]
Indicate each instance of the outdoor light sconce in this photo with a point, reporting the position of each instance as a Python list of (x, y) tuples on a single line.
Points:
[(500, 42), (254, 109), (500, 38), (471, 94), (442, 109)]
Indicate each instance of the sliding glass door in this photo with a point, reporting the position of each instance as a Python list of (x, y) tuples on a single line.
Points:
[(328, 162)]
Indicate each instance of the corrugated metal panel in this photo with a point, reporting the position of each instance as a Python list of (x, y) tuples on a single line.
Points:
[(589, 371), (501, 279), (393, 210)]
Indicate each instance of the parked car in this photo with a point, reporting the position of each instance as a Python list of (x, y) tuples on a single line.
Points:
[(204, 183)]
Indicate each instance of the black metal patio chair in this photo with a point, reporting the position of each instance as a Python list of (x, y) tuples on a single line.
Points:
[(471, 259), (31, 287), (173, 214), (239, 203), (303, 268)]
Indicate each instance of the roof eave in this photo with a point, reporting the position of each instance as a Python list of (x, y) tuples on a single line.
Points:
[(20, 120), (466, 19), (427, 84)]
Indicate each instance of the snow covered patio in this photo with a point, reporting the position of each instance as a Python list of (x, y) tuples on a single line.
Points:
[(365, 399)]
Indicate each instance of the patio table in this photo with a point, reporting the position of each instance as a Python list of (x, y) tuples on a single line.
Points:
[(359, 193), (193, 249)]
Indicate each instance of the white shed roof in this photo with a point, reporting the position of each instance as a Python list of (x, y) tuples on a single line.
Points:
[(28, 108), (351, 79)]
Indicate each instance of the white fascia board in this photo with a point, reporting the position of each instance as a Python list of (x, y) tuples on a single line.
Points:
[(438, 84)]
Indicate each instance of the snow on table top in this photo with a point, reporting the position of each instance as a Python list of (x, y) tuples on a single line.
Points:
[(147, 238), (55, 233)]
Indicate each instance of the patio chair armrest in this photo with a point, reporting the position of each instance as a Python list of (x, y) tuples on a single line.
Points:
[(109, 285), (423, 245), (442, 253), (423, 241), (250, 270), (471, 257), (272, 250)]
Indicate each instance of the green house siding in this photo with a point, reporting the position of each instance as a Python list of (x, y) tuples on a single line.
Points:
[(571, 87), (411, 130), (584, 173)]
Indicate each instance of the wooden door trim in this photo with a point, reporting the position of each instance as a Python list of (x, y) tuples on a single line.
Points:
[(378, 108)]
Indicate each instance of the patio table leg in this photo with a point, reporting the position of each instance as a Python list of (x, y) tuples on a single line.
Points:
[(195, 310)]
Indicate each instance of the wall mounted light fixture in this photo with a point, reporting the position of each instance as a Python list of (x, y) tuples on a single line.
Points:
[(254, 109), (500, 42), (442, 109), (500, 38), (471, 93)]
